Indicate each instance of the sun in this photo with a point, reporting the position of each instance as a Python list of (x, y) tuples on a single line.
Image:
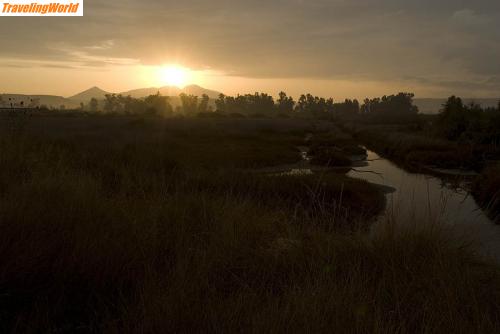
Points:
[(174, 75)]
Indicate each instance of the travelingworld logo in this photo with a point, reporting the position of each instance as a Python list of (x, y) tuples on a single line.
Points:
[(41, 8)]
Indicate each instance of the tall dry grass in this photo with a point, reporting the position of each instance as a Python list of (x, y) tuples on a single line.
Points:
[(420, 149)]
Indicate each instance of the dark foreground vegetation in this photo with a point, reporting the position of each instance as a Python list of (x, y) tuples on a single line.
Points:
[(127, 225), (486, 190), (334, 149)]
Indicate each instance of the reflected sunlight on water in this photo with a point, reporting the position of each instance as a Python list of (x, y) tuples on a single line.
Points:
[(420, 197)]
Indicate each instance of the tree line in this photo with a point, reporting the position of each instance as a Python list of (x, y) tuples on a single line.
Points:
[(469, 122), (264, 104), (248, 105), (118, 104), (455, 120)]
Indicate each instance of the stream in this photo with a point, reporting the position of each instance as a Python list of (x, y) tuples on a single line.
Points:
[(422, 198), (416, 198)]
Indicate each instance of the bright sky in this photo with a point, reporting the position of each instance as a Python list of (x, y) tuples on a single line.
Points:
[(335, 48)]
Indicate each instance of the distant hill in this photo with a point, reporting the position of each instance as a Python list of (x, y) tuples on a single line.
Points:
[(199, 91), (425, 105), (73, 102), (85, 96), (143, 92), (172, 91), (433, 105), (50, 101)]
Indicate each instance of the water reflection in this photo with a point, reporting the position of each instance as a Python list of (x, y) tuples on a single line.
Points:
[(420, 197)]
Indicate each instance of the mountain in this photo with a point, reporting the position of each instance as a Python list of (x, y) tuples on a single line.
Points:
[(172, 91), (199, 91), (143, 92), (73, 102), (85, 96), (433, 105), (425, 105)]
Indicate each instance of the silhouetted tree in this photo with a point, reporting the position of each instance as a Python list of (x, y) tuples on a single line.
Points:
[(301, 104), (158, 105), (452, 119), (189, 103), (285, 103), (365, 108), (129, 105), (93, 104), (393, 108), (249, 104), (455, 119), (111, 103), (220, 103), (329, 107), (314, 106), (263, 104), (203, 106), (346, 109), (259, 103), (151, 105)]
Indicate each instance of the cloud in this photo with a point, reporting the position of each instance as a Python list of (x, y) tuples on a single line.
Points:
[(104, 45), (384, 40), (470, 17)]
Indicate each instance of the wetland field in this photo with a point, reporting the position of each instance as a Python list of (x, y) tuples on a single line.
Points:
[(141, 224)]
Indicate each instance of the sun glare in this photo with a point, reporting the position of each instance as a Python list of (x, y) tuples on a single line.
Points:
[(175, 75)]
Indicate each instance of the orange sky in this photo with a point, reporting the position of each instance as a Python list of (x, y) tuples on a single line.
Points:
[(342, 49), (67, 82)]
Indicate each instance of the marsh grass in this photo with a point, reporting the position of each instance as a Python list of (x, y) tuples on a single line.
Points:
[(334, 148), (119, 237), (329, 156), (420, 150)]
